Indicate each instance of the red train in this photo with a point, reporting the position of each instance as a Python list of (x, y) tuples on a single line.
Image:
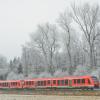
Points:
[(82, 82)]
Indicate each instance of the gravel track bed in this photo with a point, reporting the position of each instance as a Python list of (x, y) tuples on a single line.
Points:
[(59, 92)]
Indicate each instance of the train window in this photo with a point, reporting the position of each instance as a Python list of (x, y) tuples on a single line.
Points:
[(44, 83), (62, 82), (38, 83), (58, 82), (75, 81), (78, 81), (89, 81), (48, 81), (26, 83), (5, 84), (14, 83), (83, 80), (41, 83), (32, 82), (29, 82), (95, 79), (2, 84), (66, 82), (54, 81)]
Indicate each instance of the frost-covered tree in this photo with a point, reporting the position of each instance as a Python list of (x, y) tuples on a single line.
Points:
[(87, 18), (3, 67), (65, 21), (15, 76), (32, 60), (46, 41), (82, 70), (20, 69)]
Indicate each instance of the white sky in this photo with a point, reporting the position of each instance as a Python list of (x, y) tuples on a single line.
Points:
[(19, 18)]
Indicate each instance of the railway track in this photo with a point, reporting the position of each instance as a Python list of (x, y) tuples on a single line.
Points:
[(61, 92)]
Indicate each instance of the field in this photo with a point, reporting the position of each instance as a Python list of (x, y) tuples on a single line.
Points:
[(45, 97)]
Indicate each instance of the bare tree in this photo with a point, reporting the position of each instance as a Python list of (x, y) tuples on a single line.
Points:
[(87, 17), (45, 40), (65, 21)]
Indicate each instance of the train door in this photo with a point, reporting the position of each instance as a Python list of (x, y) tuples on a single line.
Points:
[(49, 83), (22, 84), (70, 83)]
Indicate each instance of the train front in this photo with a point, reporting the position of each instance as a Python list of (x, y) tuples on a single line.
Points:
[(96, 81)]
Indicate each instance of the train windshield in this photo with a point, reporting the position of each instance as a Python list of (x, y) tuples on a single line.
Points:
[(95, 79)]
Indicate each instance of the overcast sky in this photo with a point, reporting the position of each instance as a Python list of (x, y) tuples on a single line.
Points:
[(19, 18)]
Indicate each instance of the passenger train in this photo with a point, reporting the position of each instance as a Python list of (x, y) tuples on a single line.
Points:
[(74, 82)]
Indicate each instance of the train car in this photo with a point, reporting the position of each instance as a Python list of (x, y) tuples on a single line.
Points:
[(82, 82), (4, 84), (10, 84)]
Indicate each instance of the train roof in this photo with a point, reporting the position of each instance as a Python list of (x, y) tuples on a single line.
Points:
[(66, 77), (53, 78)]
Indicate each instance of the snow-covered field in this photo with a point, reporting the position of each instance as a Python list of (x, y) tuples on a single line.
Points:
[(44, 97)]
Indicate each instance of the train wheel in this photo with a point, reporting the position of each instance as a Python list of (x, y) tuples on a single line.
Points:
[(92, 88)]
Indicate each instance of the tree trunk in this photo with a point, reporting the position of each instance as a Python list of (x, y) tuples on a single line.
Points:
[(91, 57), (70, 62)]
